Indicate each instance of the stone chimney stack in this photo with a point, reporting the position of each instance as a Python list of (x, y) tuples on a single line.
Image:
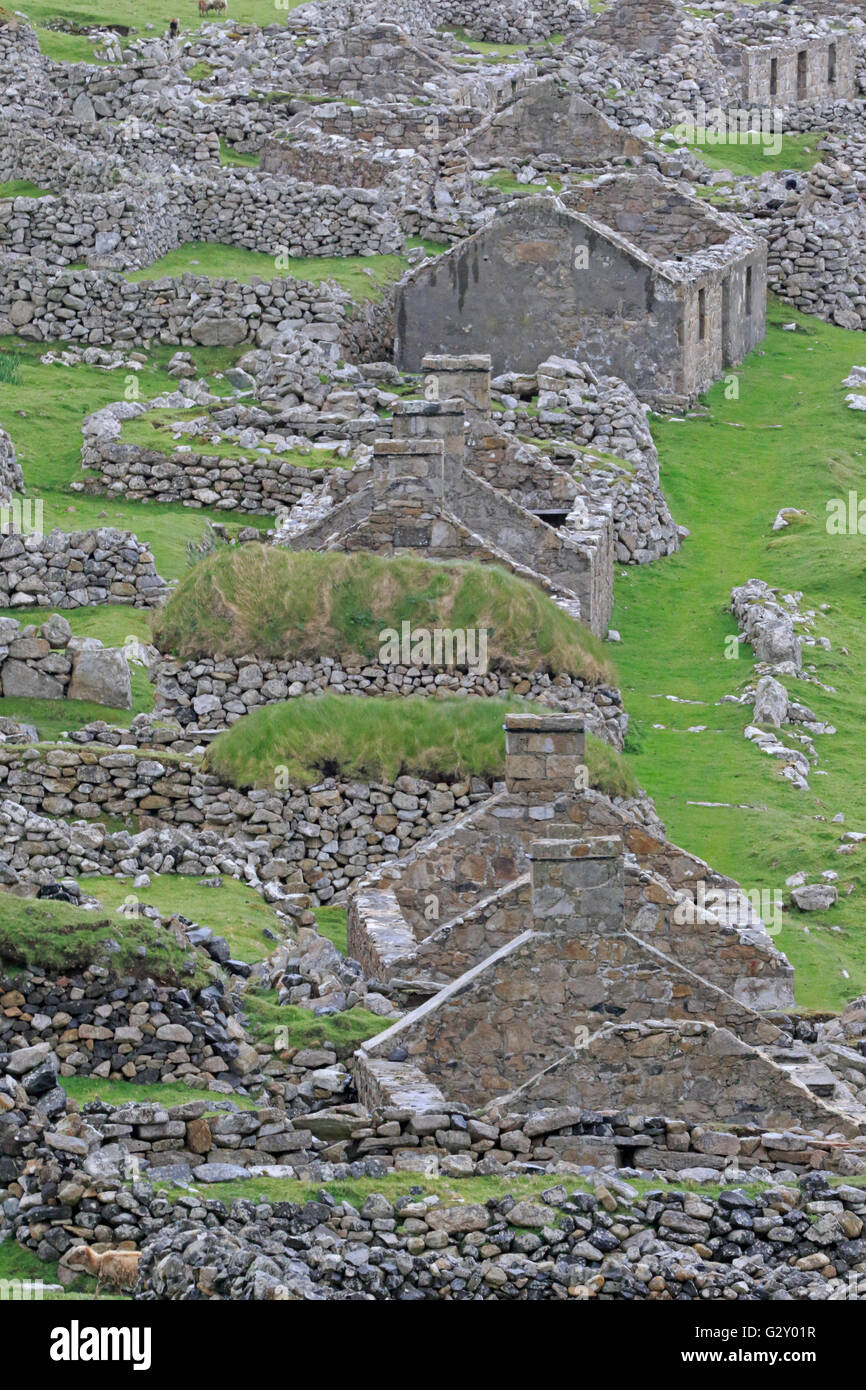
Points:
[(434, 420), (466, 378), (411, 470), (578, 885), (545, 753)]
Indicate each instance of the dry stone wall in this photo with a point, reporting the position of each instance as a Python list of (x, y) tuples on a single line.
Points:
[(135, 226), (301, 838), (43, 302), (95, 1023), (213, 693), (76, 568)]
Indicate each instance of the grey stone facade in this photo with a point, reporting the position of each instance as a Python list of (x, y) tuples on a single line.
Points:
[(578, 961), (629, 275)]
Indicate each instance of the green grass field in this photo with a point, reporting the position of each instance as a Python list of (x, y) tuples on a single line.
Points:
[(233, 910), (84, 1089), (57, 936), (788, 440), (277, 1024), (331, 922), (506, 182), (22, 188), (134, 15), (363, 277), (754, 156), (42, 407), (380, 738)]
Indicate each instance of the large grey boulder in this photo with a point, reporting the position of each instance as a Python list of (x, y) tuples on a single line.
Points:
[(24, 1059), (768, 627), (83, 110), (21, 681), (102, 677), (227, 332), (771, 702), (16, 732), (815, 897), (775, 641), (11, 479), (56, 630)]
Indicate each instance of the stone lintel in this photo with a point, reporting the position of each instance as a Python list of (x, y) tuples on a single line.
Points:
[(577, 847)]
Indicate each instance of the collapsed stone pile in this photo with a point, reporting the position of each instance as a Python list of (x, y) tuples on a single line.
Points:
[(769, 622), (815, 236), (11, 479), (96, 1023), (585, 412)]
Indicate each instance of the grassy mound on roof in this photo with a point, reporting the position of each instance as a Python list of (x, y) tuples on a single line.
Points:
[(303, 605), (56, 936), (379, 738)]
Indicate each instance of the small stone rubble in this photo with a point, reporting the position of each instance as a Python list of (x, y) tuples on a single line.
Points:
[(11, 478), (768, 623)]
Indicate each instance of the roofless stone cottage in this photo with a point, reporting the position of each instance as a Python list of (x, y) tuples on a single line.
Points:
[(628, 274)]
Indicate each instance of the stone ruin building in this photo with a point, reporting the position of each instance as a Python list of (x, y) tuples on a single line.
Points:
[(449, 485), (626, 273), (547, 121), (557, 953), (783, 72), (782, 69)]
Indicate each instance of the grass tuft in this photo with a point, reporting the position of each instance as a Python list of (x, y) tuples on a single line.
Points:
[(56, 936)]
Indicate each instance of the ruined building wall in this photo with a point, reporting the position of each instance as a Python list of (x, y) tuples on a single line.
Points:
[(514, 290), (784, 73)]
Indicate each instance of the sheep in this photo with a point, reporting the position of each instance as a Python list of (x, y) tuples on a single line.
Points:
[(117, 1267)]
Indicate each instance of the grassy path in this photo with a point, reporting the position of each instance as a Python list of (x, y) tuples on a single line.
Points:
[(788, 440)]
